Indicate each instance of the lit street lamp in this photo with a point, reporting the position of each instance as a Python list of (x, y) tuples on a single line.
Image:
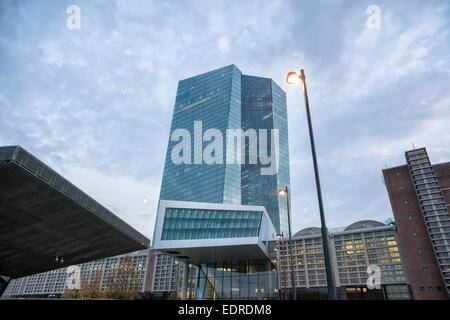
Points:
[(286, 192), (294, 78)]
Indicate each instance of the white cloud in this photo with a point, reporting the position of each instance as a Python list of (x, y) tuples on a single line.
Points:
[(123, 195), (98, 102), (223, 43), (380, 58)]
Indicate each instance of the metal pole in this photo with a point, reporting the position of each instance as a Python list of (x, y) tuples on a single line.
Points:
[(284, 270), (294, 295), (279, 269), (326, 252)]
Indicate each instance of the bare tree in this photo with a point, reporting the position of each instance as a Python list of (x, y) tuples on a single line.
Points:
[(124, 283), (89, 289)]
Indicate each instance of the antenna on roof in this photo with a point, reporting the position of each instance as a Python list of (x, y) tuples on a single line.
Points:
[(414, 148)]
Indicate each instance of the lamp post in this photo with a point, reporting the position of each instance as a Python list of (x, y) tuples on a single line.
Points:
[(286, 192), (277, 251), (280, 243), (293, 78)]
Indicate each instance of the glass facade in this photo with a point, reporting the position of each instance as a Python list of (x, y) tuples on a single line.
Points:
[(234, 280), (166, 273), (225, 99), (219, 100), (264, 107), (184, 224), (214, 98), (54, 282), (355, 252), (352, 252)]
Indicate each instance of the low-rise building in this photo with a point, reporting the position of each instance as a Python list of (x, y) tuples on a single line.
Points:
[(353, 249), (54, 283), (419, 192)]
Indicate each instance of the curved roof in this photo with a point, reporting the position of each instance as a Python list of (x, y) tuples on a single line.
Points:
[(308, 232), (364, 224)]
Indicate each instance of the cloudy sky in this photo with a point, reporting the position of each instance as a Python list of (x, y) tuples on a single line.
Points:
[(95, 103)]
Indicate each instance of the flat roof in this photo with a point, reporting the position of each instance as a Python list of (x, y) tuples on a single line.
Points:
[(43, 215)]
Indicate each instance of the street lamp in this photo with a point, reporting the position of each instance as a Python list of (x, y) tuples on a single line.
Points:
[(286, 192), (293, 78), (280, 243), (277, 252), (59, 259)]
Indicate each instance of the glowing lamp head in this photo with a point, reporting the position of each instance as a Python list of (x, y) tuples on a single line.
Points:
[(282, 192), (292, 78)]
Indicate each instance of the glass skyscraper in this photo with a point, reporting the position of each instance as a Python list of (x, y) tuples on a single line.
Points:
[(214, 98), (226, 99), (264, 107), (227, 158)]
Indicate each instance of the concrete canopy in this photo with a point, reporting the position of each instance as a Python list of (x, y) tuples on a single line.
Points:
[(42, 215)]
